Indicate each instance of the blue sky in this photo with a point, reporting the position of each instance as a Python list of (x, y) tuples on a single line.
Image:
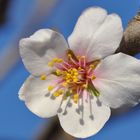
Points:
[(16, 122)]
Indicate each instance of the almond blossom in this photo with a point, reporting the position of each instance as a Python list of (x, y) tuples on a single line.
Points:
[(80, 80)]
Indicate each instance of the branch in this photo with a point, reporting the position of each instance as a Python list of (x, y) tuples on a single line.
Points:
[(130, 43)]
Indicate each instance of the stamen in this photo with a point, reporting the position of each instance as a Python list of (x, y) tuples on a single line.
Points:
[(50, 64), (60, 91), (58, 72), (56, 94), (82, 61), (75, 98), (57, 60), (92, 66), (93, 77), (50, 88), (76, 76), (43, 77), (73, 61), (63, 66), (69, 55)]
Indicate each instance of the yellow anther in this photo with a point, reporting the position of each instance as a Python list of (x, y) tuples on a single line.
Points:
[(64, 84), (56, 94), (68, 75), (79, 68), (76, 73), (55, 59), (74, 77), (69, 70), (93, 77), (75, 101), (75, 80), (70, 91), (50, 88), (60, 91), (50, 64), (85, 85), (64, 72), (43, 77), (58, 72), (69, 55), (67, 81), (76, 96), (60, 60), (92, 66), (74, 70)]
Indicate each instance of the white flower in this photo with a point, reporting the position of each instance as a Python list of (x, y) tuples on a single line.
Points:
[(82, 82)]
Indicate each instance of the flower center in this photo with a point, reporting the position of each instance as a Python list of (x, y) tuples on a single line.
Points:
[(76, 75)]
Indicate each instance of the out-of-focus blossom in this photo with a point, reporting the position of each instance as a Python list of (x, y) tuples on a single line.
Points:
[(81, 81)]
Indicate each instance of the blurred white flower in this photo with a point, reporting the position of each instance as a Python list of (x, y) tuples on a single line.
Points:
[(80, 83)]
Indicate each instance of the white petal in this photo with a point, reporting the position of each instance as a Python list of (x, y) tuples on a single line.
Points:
[(91, 122), (40, 48), (37, 97), (118, 80), (96, 34)]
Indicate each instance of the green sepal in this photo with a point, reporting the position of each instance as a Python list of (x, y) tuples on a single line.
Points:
[(93, 90)]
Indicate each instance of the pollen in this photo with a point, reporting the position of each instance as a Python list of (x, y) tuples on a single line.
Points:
[(43, 77), (93, 77), (50, 64), (71, 75), (50, 88), (75, 80), (60, 91), (58, 72), (60, 60), (56, 94), (92, 66), (57, 60), (75, 98), (69, 55)]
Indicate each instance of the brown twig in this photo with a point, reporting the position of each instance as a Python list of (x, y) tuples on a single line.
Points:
[(130, 43), (53, 131)]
